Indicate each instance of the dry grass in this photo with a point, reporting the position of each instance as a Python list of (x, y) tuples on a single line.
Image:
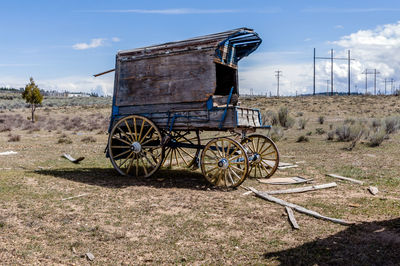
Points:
[(176, 218)]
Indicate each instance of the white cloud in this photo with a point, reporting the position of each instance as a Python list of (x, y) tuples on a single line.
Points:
[(338, 27), (115, 39), (93, 44), (263, 80), (377, 48)]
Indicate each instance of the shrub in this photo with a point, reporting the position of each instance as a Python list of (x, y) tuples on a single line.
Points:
[(376, 138), (376, 123), (4, 128), (64, 139), (300, 113), (350, 121), (284, 119), (14, 138), (349, 132), (269, 117), (302, 138), (88, 139), (276, 133), (319, 131), (302, 122), (392, 124), (331, 135), (321, 119)]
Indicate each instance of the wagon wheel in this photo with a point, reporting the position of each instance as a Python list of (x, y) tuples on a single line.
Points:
[(263, 154), (181, 150), (135, 146), (224, 162)]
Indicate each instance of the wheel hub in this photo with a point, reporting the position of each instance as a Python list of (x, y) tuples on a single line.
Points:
[(223, 163), (136, 147), (256, 158)]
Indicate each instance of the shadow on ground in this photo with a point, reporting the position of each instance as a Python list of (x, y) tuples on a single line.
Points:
[(108, 177), (372, 243)]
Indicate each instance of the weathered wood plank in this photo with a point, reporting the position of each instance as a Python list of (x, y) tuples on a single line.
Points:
[(346, 178), (291, 218), (298, 208), (186, 77), (301, 189)]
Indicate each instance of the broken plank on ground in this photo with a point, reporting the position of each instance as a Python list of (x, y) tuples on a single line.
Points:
[(301, 189), (284, 180), (297, 207), (346, 178), (291, 217), (70, 158), (288, 167)]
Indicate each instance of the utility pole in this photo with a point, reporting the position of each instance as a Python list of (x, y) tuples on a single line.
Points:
[(391, 86), (333, 58), (331, 71), (314, 75), (385, 85), (348, 73), (278, 75), (368, 72)]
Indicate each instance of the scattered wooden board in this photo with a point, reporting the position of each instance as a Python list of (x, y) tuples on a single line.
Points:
[(69, 157), (8, 153), (287, 167), (346, 178), (281, 164), (297, 207), (291, 218), (284, 180), (301, 189)]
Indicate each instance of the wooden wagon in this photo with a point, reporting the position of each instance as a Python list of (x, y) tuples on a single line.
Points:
[(166, 95)]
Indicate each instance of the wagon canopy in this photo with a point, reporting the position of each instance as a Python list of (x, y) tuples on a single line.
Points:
[(183, 71), (230, 46)]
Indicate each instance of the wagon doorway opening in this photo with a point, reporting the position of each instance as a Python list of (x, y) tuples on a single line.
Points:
[(226, 79)]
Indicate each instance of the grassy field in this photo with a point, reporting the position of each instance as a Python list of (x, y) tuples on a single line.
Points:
[(175, 217)]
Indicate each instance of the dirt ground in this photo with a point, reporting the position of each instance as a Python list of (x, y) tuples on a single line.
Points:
[(175, 217)]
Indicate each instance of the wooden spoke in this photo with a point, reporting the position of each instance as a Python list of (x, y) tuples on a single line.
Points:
[(264, 155), (121, 147), (125, 159), (129, 129), (123, 132), (122, 140), (134, 123), (218, 162), (182, 149)]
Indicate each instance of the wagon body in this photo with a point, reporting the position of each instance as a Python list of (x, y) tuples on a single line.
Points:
[(186, 84), (165, 95)]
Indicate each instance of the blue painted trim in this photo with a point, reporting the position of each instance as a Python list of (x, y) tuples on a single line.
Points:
[(226, 108), (209, 103)]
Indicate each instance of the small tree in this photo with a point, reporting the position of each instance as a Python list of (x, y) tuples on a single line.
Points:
[(32, 95)]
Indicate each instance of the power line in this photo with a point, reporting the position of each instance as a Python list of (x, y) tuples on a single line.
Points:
[(333, 58), (278, 75), (370, 72)]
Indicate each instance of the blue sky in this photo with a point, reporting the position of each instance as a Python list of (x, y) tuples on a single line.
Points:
[(62, 43)]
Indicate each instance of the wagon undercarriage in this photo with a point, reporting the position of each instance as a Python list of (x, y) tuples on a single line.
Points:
[(138, 148)]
